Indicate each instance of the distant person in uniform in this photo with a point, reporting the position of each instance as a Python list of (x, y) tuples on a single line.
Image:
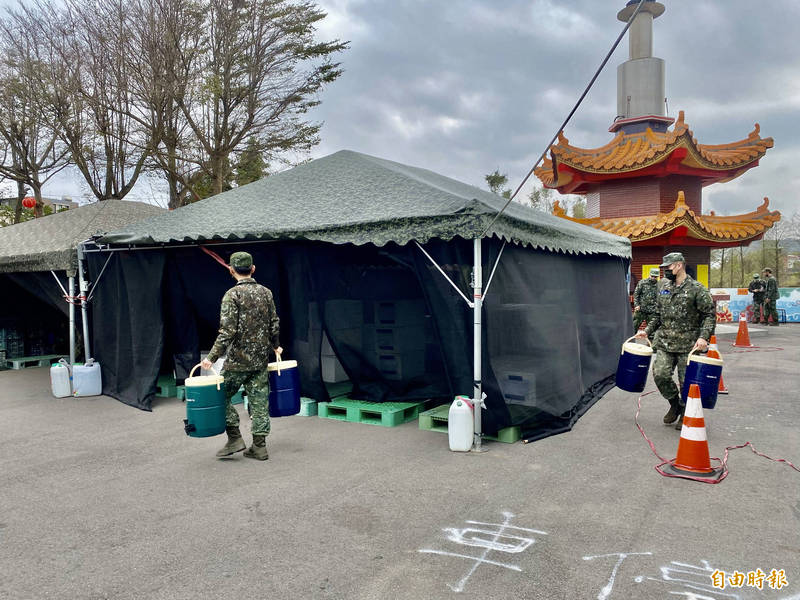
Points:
[(644, 299), (248, 331), (757, 287), (684, 320), (771, 296)]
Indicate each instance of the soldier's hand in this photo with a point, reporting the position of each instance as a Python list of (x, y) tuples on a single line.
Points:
[(635, 309), (278, 351), (206, 364), (641, 333), (701, 344)]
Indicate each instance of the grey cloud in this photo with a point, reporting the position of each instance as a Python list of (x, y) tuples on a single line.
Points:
[(505, 75)]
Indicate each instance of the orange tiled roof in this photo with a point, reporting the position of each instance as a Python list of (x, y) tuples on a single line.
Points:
[(705, 227), (635, 151)]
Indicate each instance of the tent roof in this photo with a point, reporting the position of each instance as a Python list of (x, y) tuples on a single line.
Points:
[(348, 197), (49, 243)]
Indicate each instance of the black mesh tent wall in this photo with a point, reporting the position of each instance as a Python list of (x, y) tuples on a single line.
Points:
[(33, 251), (357, 282), (400, 331)]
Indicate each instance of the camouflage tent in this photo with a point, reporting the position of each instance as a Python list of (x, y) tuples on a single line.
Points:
[(348, 197), (49, 243), (33, 306), (370, 262)]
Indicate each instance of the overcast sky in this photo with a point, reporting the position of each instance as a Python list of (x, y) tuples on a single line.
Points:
[(464, 87)]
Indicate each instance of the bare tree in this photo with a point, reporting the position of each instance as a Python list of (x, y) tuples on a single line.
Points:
[(255, 72), (33, 152), (89, 49)]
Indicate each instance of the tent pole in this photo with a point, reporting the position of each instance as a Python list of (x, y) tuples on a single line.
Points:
[(71, 320), (477, 393), (83, 286)]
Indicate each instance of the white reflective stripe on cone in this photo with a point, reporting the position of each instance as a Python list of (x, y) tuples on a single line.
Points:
[(694, 409), (694, 434)]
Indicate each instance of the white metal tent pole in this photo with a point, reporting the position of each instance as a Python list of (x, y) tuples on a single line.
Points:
[(83, 286), (71, 320), (477, 283)]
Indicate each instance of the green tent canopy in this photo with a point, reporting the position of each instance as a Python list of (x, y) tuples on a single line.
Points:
[(50, 243), (348, 197)]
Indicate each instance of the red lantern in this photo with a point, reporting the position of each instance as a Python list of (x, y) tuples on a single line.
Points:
[(29, 202)]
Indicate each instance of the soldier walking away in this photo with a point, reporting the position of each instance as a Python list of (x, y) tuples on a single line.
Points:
[(248, 330), (757, 287), (684, 320), (771, 298), (644, 299)]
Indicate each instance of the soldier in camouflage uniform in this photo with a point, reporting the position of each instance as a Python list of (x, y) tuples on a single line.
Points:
[(248, 330), (771, 298), (644, 299), (684, 320), (757, 288)]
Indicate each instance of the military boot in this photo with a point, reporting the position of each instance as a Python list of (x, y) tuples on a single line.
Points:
[(235, 442), (679, 423), (672, 414), (259, 448)]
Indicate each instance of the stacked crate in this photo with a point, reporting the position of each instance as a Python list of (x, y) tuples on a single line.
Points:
[(12, 340), (345, 319), (397, 338)]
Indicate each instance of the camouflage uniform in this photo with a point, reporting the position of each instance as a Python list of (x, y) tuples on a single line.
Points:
[(685, 312), (772, 294), (757, 288), (248, 329), (645, 297)]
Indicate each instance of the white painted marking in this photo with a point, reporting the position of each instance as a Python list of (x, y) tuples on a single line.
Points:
[(693, 577), (606, 591), (488, 562), (492, 537)]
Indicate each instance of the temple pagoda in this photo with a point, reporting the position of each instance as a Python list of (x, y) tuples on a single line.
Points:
[(646, 183)]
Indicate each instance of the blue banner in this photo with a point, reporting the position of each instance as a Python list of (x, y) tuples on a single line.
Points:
[(731, 302)]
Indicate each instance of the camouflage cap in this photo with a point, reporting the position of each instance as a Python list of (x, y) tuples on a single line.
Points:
[(672, 257), (756, 275), (654, 272), (241, 260)]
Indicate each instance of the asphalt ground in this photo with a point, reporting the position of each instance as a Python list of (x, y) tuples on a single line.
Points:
[(100, 500)]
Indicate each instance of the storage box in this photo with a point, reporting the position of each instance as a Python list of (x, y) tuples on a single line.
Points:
[(332, 370), (344, 314), (350, 337), (396, 366), (400, 338), (399, 312)]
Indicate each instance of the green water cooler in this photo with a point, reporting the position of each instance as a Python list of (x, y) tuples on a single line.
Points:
[(205, 405)]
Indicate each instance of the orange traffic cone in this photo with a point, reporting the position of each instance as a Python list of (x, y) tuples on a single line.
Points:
[(693, 458), (713, 352), (743, 336)]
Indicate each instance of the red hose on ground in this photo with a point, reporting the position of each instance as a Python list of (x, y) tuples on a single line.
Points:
[(723, 462)]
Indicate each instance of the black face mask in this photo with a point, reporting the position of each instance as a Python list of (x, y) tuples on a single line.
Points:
[(669, 275)]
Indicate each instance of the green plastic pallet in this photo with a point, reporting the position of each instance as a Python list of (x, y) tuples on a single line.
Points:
[(435, 419), (336, 390), (385, 414), (308, 407), (166, 387)]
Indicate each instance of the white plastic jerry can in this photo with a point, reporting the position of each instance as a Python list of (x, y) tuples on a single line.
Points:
[(460, 424), (86, 379), (60, 379)]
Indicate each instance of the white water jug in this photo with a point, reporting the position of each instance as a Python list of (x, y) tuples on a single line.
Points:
[(460, 424), (61, 379), (86, 380)]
